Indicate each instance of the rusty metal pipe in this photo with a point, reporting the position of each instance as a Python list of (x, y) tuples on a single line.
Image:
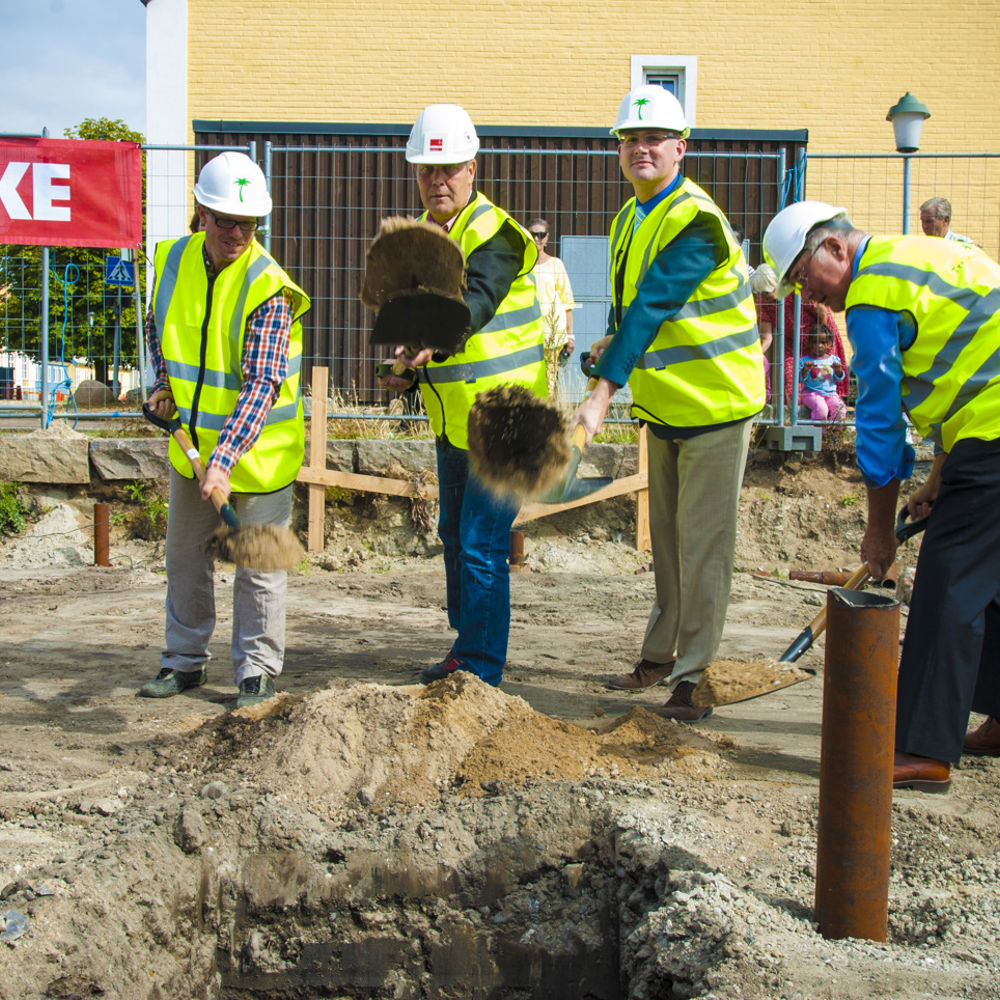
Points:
[(855, 783), (516, 559), (102, 525)]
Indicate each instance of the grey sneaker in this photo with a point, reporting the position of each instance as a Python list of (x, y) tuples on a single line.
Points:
[(254, 690), (169, 682)]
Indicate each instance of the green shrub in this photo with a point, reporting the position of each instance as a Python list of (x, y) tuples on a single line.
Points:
[(13, 509)]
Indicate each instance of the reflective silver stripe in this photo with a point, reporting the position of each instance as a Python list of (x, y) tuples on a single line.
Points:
[(215, 379), (716, 304), (279, 414), (698, 352), (616, 233), (514, 318), (979, 308), (647, 256), (220, 380), (476, 212), (167, 282), (216, 421), (470, 371), (254, 271)]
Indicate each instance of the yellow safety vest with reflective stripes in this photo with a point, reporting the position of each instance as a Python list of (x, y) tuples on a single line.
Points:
[(705, 365), (506, 351), (951, 371), (202, 330)]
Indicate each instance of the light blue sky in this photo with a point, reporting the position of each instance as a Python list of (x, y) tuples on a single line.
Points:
[(66, 60)]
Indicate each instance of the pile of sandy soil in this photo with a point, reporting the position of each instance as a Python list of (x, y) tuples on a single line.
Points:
[(405, 746)]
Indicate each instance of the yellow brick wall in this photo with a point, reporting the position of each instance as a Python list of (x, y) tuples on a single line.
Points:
[(834, 68)]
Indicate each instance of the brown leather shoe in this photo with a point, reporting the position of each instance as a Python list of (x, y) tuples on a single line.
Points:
[(984, 741), (645, 675), (922, 773), (680, 708)]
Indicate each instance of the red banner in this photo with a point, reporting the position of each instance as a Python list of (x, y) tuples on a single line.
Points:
[(70, 193)]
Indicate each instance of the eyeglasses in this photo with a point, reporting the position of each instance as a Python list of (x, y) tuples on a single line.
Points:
[(228, 225), (799, 277), (537, 234), (632, 139)]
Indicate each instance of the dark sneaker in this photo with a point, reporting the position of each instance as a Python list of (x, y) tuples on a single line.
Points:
[(169, 682), (254, 690), (439, 671)]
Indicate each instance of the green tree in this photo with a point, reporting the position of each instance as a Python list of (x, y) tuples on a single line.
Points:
[(79, 300)]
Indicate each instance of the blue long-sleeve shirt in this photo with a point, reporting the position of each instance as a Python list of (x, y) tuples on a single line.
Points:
[(879, 337)]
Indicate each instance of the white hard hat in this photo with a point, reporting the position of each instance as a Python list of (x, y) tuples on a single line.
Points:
[(232, 183), (785, 236), (650, 106), (442, 133)]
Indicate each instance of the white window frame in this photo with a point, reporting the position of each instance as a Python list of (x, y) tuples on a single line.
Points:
[(686, 69)]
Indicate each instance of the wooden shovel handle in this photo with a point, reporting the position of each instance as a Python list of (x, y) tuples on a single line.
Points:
[(856, 581), (579, 438), (218, 497)]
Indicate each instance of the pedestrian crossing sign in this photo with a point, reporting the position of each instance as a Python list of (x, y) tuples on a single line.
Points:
[(118, 271)]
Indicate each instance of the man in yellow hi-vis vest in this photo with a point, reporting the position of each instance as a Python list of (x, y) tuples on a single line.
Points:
[(225, 340), (683, 334), (923, 317), (503, 347)]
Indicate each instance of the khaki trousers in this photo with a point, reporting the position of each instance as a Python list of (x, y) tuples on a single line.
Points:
[(694, 491)]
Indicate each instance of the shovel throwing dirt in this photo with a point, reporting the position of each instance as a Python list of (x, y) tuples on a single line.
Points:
[(250, 546)]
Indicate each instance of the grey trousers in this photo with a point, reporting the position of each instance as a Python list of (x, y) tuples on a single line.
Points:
[(258, 640), (694, 492)]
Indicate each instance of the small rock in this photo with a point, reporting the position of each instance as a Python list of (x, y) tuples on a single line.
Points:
[(12, 888), (189, 831), (213, 790)]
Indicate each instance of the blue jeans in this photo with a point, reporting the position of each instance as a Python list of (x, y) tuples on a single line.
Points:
[(474, 526)]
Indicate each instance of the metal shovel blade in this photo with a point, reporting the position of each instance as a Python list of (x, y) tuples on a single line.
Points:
[(572, 488)]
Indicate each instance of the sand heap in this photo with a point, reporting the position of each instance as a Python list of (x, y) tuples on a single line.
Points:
[(384, 745)]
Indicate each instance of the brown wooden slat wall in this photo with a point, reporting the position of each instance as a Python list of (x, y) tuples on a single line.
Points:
[(331, 189)]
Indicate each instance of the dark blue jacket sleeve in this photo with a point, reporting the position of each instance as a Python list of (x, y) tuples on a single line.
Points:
[(672, 278), (489, 273)]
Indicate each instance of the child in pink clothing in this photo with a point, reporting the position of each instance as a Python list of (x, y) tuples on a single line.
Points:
[(819, 373)]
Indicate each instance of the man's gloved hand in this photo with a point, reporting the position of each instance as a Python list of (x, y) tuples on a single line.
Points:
[(564, 355)]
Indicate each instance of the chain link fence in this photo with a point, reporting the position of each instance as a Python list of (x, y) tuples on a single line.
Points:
[(332, 190)]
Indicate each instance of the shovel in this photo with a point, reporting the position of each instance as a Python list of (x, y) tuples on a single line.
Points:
[(570, 487), (780, 677), (251, 546)]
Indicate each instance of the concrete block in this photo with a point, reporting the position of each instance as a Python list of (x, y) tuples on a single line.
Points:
[(614, 460), (130, 458), (339, 454), (56, 454), (392, 458)]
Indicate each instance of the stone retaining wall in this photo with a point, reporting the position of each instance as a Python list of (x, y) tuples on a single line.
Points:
[(59, 455)]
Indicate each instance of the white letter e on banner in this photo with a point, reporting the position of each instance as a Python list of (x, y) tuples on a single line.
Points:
[(44, 192)]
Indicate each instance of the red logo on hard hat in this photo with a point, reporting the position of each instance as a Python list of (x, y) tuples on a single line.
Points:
[(436, 145)]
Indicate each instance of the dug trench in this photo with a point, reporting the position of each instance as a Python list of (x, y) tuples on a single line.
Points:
[(365, 837)]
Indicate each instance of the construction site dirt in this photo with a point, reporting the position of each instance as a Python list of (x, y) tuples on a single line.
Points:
[(363, 836)]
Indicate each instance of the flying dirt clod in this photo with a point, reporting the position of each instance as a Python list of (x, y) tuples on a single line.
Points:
[(518, 443)]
